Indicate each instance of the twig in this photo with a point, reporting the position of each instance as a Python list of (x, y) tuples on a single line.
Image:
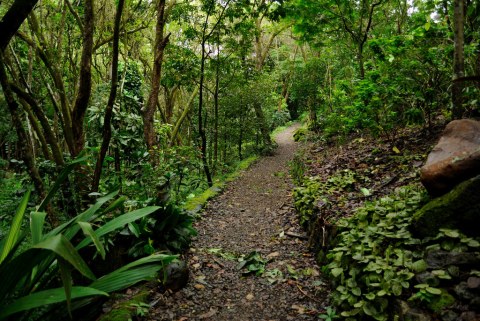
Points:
[(306, 294), (299, 236)]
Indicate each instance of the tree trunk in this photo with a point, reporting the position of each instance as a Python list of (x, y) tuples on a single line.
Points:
[(107, 121), (215, 104), (201, 129), (22, 137), (85, 82), (13, 19), (149, 112), (458, 58)]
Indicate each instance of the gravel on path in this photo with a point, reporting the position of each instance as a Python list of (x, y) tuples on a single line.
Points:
[(254, 213)]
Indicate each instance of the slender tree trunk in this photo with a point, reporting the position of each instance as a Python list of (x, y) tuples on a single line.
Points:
[(361, 61), (107, 121), (85, 82), (149, 112), (201, 129), (215, 104), (458, 58)]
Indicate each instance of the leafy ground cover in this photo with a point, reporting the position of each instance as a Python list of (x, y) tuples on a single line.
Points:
[(365, 193)]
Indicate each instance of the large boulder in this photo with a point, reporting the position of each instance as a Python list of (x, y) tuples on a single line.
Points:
[(455, 158), (458, 209)]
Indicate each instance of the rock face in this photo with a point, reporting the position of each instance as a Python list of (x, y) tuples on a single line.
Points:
[(455, 158), (458, 209)]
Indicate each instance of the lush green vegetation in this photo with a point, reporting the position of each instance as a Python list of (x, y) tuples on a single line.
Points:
[(122, 117)]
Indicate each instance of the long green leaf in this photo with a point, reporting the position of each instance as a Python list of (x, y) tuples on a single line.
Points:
[(58, 182), (14, 274), (37, 219), (46, 297), (139, 270), (66, 275), (62, 247), (125, 279), (71, 229), (15, 228), (119, 222), (88, 231)]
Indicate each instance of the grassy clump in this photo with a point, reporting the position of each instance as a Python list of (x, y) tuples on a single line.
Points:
[(195, 203)]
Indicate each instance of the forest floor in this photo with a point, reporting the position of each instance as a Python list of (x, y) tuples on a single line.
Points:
[(251, 226)]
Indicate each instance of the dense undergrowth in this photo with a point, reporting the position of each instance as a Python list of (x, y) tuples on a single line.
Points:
[(378, 267)]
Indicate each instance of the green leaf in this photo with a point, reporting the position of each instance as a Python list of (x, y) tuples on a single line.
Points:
[(46, 297), (15, 229), (473, 243), (140, 270), (336, 271), (419, 266), (70, 229), (88, 231), (365, 191), (119, 222), (433, 290), (427, 26), (450, 233), (37, 219), (66, 275), (63, 248)]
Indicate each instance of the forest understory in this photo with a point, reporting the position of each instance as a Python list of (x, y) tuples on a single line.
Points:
[(252, 259)]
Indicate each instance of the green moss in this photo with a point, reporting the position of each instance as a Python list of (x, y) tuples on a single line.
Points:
[(124, 310), (196, 203), (300, 134), (441, 301), (458, 208)]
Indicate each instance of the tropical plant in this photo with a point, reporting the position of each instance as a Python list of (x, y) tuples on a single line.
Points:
[(29, 266)]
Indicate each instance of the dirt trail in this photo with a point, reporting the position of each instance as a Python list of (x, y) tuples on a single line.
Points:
[(252, 214)]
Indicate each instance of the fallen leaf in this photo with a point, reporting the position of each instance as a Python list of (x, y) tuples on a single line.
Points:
[(199, 286), (298, 308), (208, 314), (396, 150), (249, 297), (272, 255), (196, 265)]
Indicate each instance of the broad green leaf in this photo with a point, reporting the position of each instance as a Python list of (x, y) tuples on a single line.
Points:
[(119, 222), (365, 191), (88, 231), (46, 297), (15, 228), (427, 26), (62, 247), (37, 219), (450, 233), (336, 272), (433, 290), (419, 266)]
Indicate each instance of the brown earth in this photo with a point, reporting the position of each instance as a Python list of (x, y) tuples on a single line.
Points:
[(254, 213)]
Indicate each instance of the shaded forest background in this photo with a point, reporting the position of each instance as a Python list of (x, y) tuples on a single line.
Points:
[(158, 101)]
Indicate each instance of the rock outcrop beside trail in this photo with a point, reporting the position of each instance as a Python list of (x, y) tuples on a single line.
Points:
[(454, 159)]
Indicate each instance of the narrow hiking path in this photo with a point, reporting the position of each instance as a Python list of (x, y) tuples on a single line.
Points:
[(252, 214)]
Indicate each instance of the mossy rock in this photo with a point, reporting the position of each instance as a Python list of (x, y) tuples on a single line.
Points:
[(441, 301), (300, 134), (458, 209), (125, 308)]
